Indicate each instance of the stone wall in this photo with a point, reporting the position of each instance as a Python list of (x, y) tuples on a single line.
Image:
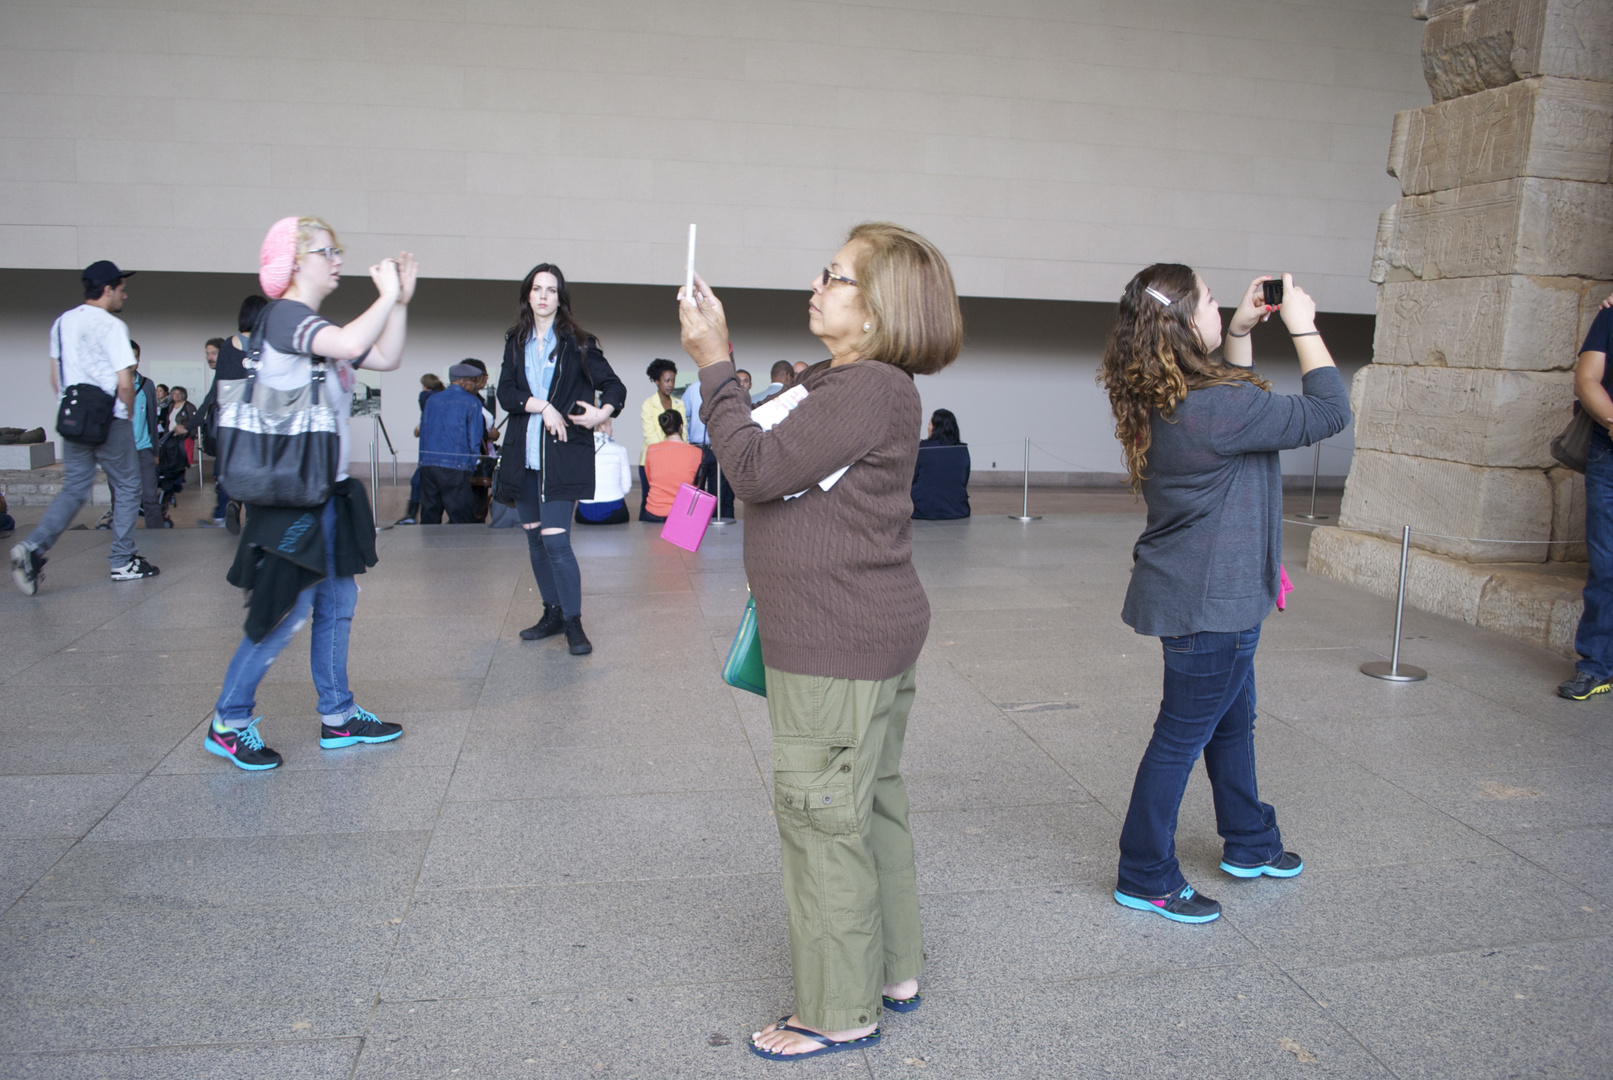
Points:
[(1489, 270)]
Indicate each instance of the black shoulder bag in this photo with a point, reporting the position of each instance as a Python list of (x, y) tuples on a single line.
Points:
[(85, 413)]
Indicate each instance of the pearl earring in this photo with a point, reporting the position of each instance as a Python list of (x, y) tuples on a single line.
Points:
[(867, 326)]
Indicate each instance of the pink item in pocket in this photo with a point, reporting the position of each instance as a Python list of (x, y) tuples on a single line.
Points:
[(691, 512), (1284, 587)]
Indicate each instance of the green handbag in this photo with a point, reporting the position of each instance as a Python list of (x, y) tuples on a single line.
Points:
[(743, 668)]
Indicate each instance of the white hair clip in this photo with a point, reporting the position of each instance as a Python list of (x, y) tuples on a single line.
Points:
[(1157, 295)]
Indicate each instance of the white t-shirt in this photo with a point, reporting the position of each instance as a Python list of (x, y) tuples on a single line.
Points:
[(613, 475), (287, 360), (93, 346)]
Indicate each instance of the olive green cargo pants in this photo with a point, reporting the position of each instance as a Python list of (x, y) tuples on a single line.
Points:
[(841, 807)]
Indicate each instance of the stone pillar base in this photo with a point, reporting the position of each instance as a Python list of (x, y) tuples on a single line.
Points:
[(1539, 603)]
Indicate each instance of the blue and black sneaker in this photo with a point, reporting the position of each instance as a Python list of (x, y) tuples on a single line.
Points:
[(1184, 906), (1287, 864), (242, 747), (361, 727)]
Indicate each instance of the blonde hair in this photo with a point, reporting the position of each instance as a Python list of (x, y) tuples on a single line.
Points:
[(306, 227), (915, 322)]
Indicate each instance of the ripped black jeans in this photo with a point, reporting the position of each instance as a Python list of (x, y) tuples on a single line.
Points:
[(554, 564)]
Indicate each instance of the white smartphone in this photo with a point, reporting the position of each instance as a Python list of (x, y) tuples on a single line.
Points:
[(688, 274)]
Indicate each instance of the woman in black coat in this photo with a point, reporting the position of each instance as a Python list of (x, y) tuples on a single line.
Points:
[(553, 370)]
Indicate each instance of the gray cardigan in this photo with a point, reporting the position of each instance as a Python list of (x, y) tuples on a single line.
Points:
[(1208, 558)]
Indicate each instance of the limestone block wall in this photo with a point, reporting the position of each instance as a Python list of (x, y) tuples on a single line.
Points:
[(1489, 268)]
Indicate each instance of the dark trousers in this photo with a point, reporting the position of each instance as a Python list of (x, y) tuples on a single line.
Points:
[(708, 483), (446, 490), (554, 564), (1209, 708), (150, 497), (615, 517), (1594, 638)]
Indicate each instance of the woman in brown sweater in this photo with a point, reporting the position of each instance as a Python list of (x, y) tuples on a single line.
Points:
[(841, 616)]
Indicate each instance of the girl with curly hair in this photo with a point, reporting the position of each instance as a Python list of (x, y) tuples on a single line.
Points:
[(1201, 437)]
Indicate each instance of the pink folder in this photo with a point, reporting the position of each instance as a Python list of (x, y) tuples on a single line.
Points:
[(686, 522)]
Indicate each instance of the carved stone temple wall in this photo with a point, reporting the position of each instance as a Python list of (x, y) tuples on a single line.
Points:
[(1489, 271)]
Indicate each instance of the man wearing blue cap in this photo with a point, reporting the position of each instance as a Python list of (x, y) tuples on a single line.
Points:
[(90, 345)]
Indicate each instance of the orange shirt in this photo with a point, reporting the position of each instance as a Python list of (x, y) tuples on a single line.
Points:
[(669, 464)]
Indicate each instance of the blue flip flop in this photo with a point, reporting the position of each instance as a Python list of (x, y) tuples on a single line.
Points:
[(827, 1045), (902, 1005)]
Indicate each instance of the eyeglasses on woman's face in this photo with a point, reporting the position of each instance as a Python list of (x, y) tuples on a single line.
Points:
[(331, 253), (829, 275)]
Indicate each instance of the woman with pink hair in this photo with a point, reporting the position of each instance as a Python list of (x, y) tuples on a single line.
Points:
[(299, 266)]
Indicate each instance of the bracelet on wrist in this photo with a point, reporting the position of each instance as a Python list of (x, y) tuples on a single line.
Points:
[(1233, 333), (1307, 333)]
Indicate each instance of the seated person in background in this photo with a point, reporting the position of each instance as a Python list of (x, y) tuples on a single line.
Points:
[(742, 377), (451, 432), (941, 474), (668, 464), (613, 477)]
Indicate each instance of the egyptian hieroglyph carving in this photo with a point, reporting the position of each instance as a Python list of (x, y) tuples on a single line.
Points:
[(1523, 226), (1513, 321), (1499, 418), (1547, 127), (1479, 46)]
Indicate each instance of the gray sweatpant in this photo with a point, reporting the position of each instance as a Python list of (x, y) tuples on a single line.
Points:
[(118, 459)]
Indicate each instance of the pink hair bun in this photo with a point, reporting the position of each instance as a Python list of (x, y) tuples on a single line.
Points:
[(278, 257)]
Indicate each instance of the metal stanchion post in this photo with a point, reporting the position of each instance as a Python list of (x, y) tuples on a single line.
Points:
[(375, 476), (389, 448), (1393, 671), (1025, 506), (1315, 470), (716, 512)]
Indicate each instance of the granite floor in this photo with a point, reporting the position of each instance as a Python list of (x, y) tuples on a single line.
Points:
[(568, 867)]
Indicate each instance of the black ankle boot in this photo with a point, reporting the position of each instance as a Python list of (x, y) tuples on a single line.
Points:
[(580, 645), (552, 623)]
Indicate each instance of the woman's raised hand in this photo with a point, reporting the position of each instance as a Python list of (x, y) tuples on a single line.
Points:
[(1298, 310), (1251, 309), (704, 323), (408, 273), (385, 276)]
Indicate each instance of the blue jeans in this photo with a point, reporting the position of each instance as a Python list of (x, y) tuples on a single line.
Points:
[(331, 604), (1594, 639), (1208, 707)]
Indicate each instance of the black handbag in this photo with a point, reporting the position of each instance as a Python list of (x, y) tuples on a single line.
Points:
[(276, 447), (1572, 447), (85, 413)]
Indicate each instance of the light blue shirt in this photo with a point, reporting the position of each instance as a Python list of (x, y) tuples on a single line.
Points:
[(691, 406), (142, 434), (540, 364)]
